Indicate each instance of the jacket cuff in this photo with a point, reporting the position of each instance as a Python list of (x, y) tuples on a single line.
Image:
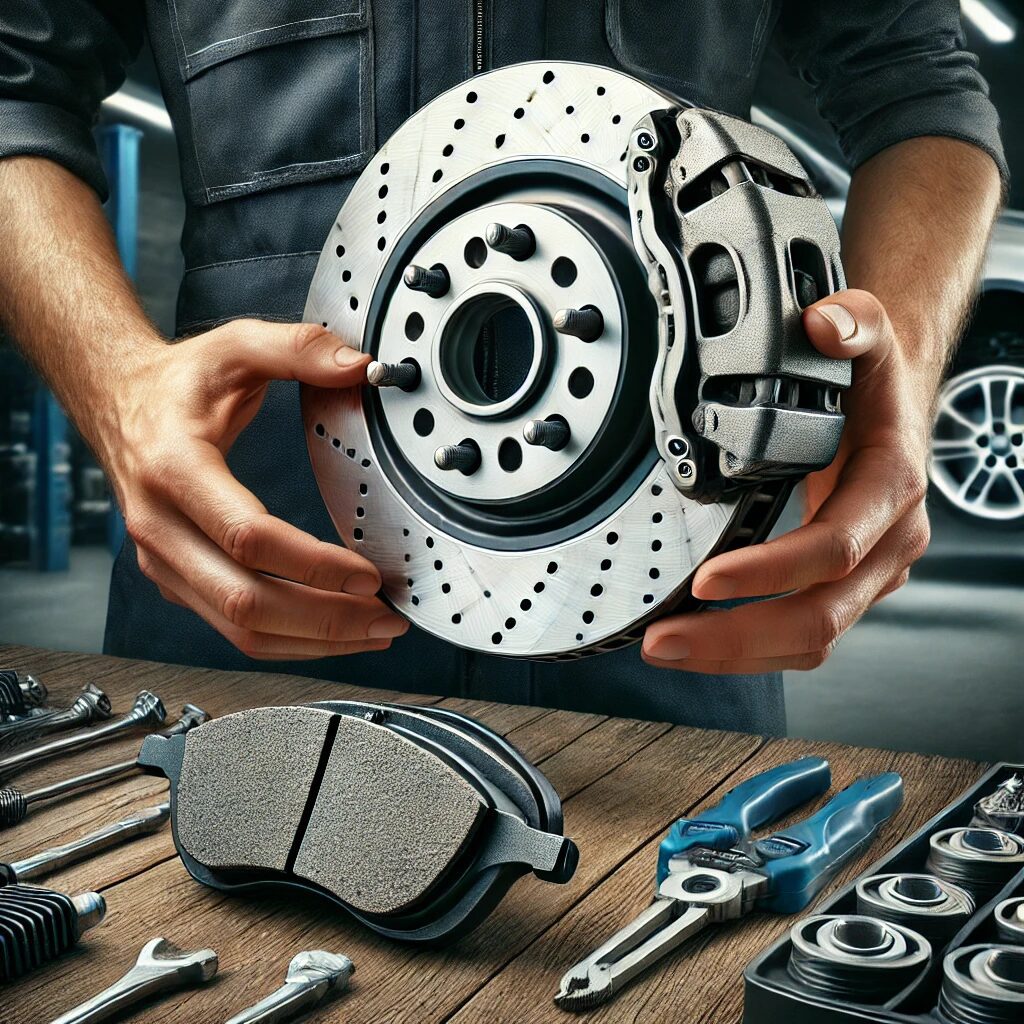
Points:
[(40, 129)]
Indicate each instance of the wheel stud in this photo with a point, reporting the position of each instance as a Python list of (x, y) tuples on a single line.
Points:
[(585, 324), (465, 457), (551, 433), (435, 281), (517, 242), (405, 375)]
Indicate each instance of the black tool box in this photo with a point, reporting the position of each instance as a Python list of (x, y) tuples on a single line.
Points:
[(772, 996)]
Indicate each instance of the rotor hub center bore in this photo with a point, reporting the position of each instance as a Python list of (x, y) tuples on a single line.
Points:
[(504, 371)]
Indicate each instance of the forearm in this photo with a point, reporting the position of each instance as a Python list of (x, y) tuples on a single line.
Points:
[(915, 231), (64, 295)]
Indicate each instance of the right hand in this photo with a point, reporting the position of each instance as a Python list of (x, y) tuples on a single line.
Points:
[(204, 540)]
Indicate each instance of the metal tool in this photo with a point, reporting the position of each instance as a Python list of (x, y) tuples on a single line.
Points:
[(160, 967), (710, 870), (982, 985), (979, 859), (311, 977), (43, 863), (1004, 808), (560, 239), (37, 925), (91, 705), (15, 804), (932, 906), (856, 958), (1009, 917), (19, 694), (147, 712)]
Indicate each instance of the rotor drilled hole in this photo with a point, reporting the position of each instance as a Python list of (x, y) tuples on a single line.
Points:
[(446, 588), (357, 533), (353, 303), (413, 326), (518, 113), (495, 638), (438, 564), (656, 490), (585, 137), (384, 168), (616, 119), (579, 636), (569, 109), (340, 251), (456, 618), (382, 243), (510, 455), (549, 77), (437, 176), (612, 538), (475, 253), (600, 90), (448, 150), (423, 422), (655, 545), (336, 443), (653, 573), (588, 617), (381, 217), (606, 564), (538, 588), (657, 517), (415, 599), (499, 141), (360, 512), (510, 623), (581, 382), (563, 271), (382, 191), (552, 568), (596, 590), (471, 97), (459, 124), (429, 542), (648, 599), (346, 275), (526, 604)]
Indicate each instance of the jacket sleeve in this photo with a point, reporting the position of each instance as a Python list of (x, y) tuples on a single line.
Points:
[(59, 59), (885, 71)]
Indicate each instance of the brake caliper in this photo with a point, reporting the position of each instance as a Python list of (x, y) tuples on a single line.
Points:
[(736, 243)]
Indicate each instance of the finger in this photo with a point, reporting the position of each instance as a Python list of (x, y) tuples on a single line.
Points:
[(258, 603), (752, 667), (262, 350), (844, 530), (238, 523), (808, 622), (254, 645), (848, 325)]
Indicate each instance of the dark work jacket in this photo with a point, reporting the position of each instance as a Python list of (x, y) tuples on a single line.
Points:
[(277, 105)]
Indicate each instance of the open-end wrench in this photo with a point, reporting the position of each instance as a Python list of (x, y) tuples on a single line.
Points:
[(148, 710), (46, 861), (19, 694), (311, 976), (160, 967), (91, 705), (15, 804)]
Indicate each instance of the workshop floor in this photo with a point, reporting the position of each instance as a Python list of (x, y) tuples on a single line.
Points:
[(936, 668)]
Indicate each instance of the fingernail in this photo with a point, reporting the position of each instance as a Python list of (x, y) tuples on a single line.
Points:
[(387, 626), (841, 318), (361, 584), (669, 648), (717, 588), (346, 355)]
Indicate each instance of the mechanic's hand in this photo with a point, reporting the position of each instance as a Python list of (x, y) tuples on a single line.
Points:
[(865, 521), (202, 538)]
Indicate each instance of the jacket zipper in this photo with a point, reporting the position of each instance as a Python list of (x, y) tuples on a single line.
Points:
[(478, 36)]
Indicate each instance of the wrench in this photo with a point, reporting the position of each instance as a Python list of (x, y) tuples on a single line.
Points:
[(46, 861), (148, 710), (160, 967), (15, 804), (311, 976), (91, 705)]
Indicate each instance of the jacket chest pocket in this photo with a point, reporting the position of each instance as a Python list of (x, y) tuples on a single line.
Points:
[(707, 48), (278, 92)]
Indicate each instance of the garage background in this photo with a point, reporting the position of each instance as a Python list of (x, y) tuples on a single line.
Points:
[(935, 668)]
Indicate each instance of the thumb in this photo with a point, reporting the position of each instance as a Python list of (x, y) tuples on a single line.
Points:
[(262, 350), (849, 324)]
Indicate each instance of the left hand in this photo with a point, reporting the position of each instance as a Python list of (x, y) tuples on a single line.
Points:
[(864, 525)]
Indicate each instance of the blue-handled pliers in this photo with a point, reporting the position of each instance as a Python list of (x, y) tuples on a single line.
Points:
[(710, 869)]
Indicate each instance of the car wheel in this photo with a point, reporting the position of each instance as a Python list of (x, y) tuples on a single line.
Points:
[(977, 460)]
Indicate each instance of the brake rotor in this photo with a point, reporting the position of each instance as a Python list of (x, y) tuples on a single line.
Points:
[(574, 408)]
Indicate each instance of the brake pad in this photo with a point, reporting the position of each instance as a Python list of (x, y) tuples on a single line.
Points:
[(415, 820)]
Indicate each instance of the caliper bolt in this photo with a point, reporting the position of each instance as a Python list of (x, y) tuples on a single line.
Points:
[(585, 324), (517, 242), (551, 433), (685, 469), (465, 457), (404, 375), (677, 446), (640, 164), (435, 281), (645, 140)]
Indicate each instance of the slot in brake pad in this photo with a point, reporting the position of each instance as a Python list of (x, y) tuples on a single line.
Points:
[(415, 823)]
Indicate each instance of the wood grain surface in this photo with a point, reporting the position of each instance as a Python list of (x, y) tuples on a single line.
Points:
[(622, 783)]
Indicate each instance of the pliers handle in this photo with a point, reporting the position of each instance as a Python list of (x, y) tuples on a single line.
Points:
[(761, 799)]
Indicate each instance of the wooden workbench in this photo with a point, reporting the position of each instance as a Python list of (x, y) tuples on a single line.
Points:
[(622, 783)]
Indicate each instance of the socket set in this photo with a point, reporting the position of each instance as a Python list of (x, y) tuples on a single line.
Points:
[(933, 933)]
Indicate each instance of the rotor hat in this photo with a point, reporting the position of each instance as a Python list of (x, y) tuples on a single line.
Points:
[(508, 467)]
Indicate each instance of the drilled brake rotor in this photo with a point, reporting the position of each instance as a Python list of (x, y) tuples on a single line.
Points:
[(509, 487)]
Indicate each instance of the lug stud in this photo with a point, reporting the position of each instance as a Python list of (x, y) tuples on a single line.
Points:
[(551, 433), (587, 324), (405, 375), (517, 242), (465, 457), (435, 281)]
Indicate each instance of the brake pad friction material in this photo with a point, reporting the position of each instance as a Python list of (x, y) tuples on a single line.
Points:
[(388, 820), (244, 783)]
